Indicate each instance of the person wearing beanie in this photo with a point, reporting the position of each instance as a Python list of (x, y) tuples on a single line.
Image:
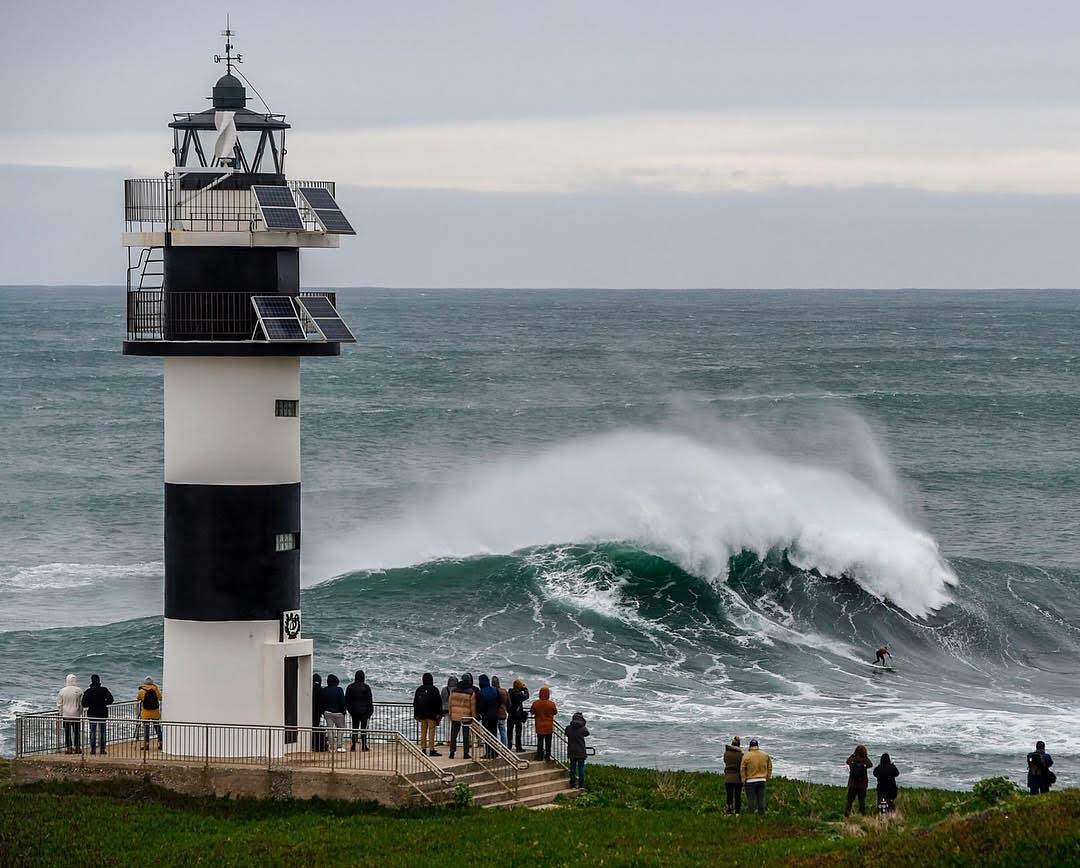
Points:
[(361, 706), (96, 700), (733, 757), (755, 770), (149, 697), (517, 714), (69, 704)]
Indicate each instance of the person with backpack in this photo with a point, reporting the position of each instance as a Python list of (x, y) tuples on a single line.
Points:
[(462, 711), (149, 697), (96, 700), (69, 704), (887, 791), (518, 714), (487, 706), (544, 712), (576, 751), (504, 709), (1039, 776), (755, 771), (859, 766), (427, 708), (361, 707), (733, 756)]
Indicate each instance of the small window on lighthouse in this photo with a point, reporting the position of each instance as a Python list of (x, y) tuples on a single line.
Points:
[(286, 407), (285, 542)]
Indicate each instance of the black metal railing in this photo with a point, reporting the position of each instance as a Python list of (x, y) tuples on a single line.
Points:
[(156, 204), (207, 315)]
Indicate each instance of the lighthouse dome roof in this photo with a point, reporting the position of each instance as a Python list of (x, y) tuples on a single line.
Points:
[(229, 93)]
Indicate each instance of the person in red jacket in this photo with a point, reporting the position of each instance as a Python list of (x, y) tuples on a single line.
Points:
[(543, 712)]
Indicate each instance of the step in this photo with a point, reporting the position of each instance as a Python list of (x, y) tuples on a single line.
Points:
[(534, 801)]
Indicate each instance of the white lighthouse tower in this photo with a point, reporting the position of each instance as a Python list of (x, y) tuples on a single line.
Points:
[(214, 289)]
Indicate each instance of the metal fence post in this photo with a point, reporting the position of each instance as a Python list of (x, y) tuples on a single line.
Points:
[(269, 747)]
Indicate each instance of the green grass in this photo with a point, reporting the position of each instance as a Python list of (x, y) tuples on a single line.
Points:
[(629, 816)]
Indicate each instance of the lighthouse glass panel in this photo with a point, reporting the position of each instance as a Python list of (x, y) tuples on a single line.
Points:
[(285, 542)]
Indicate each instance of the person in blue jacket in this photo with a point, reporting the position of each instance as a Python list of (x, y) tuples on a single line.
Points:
[(487, 706)]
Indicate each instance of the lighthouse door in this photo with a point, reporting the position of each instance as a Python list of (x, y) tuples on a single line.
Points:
[(292, 685)]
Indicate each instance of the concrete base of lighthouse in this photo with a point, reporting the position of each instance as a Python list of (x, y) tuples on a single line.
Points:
[(234, 672)]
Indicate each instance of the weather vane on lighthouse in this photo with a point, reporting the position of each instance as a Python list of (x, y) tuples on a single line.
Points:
[(228, 33)]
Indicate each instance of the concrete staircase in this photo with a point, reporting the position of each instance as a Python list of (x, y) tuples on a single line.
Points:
[(540, 784)]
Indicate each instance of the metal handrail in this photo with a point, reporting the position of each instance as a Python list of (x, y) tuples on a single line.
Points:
[(504, 766)]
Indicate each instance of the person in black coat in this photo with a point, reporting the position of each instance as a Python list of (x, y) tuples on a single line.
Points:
[(96, 700), (318, 734), (361, 706), (333, 709), (427, 709), (519, 714), (886, 774), (576, 733), (1039, 777)]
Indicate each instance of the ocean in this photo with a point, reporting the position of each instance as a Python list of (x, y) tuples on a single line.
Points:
[(693, 514)]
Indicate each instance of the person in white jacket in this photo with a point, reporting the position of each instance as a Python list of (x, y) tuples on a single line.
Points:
[(69, 702)]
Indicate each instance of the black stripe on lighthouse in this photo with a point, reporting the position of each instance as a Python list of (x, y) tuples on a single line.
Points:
[(220, 557)]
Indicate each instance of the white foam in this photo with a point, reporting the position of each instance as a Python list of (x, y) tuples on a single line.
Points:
[(65, 576), (694, 502)]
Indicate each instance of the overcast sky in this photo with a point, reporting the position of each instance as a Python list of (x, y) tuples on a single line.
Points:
[(580, 144)]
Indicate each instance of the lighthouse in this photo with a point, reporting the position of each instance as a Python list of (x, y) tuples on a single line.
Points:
[(214, 290)]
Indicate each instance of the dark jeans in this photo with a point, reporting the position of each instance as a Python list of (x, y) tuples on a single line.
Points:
[(516, 726), (543, 746), (1035, 788), (734, 797), (854, 793), (455, 728), (755, 796), (577, 766), (97, 727), (491, 724), (72, 734), (146, 731), (361, 723)]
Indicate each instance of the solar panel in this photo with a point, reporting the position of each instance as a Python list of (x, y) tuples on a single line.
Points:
[(274, 197), (326, 318), (327, 210), (283, 330), (274, 306), (282, 218)]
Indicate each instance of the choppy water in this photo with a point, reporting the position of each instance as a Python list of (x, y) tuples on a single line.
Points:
[(692, 513)]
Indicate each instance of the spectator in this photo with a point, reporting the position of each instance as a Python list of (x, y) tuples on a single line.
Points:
[(318, 734), (504, 709), (69, 703), (96, 700), (886, 774), (487, 704), (859, 766), (733, 757), (518, 714), (361, 706), (755, 771), (576, 752), (427, 708), (451, 683), (462, 711), (150, 711), (1039, 778), (543, 712), (333, 706)]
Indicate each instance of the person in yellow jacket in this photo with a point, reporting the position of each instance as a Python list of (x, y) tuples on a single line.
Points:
[(755, 770), (150, 710)]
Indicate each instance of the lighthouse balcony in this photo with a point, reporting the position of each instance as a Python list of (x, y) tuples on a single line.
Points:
[(205, 209), (169, 323)]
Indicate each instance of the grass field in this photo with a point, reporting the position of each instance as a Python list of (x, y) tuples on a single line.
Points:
[(629, 816)]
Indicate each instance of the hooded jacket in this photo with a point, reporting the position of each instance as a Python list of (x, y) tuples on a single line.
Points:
[(145, 713), (316, 699), (463, 700), (358, 699), (886, 774), (451, 683), (69, 699), (1038, 762), (576, 733), (333, 697), (517, 695), (427, 702), (756, 764), (96, 699), (859, 766), (504, 698), (544, 711), (733, 757), (487, 703)]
